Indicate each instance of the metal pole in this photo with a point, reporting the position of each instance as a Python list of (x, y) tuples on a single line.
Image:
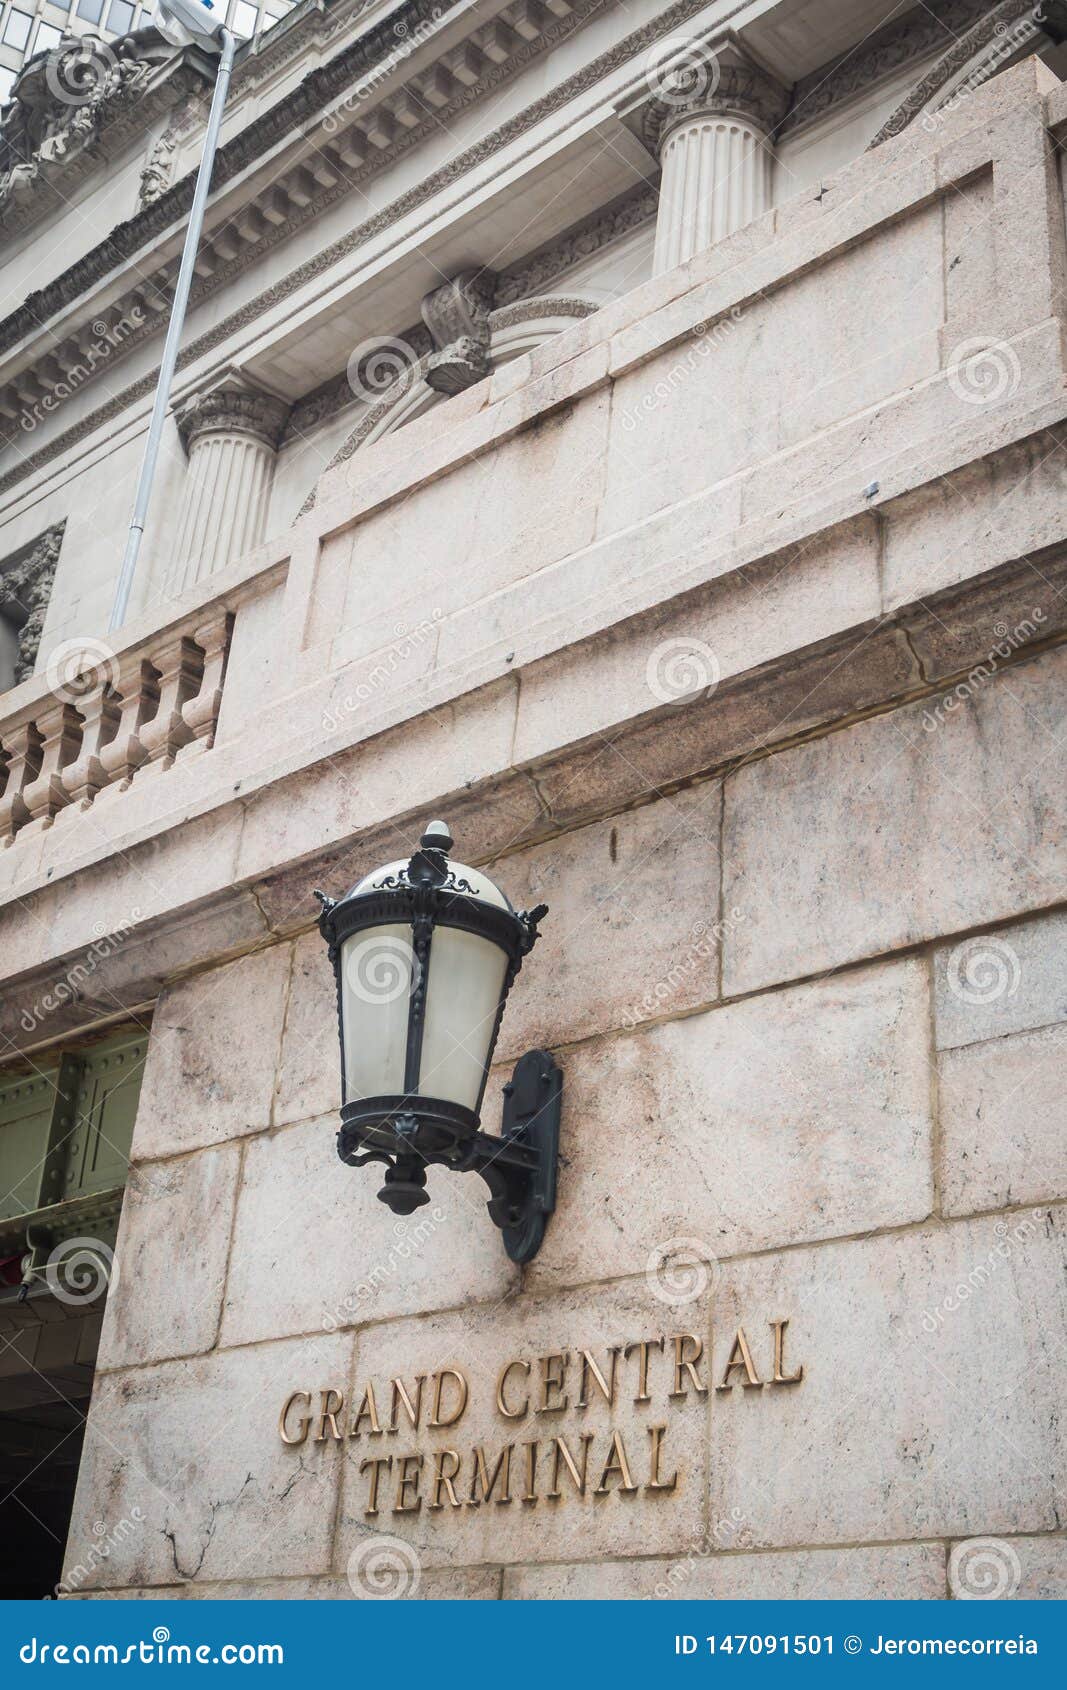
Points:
[(174, 332)]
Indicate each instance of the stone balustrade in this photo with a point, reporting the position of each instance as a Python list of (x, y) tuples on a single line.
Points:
[(119, 717)]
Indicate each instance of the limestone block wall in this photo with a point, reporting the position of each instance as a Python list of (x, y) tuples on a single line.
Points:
[(809, 1015), (739, 641)]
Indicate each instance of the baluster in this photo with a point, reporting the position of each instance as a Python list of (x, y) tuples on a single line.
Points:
[(201, 712), (60, 727), (23, 748), (179, 666), (84, 777), (135, 697)]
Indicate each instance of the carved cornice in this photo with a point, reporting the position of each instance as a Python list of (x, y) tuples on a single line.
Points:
[(919, 33), (715, 90), (986, 47), (26, 587), (623, 51), (233, 410)]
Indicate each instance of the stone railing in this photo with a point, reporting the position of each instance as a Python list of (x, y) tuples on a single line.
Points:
[(111, 718)]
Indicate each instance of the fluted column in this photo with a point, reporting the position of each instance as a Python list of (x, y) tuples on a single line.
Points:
[(712, 131), (231, 435)]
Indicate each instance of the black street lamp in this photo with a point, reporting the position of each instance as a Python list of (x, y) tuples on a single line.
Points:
[(425, 953)]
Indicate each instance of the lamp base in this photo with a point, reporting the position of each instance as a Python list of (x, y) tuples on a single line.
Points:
[(519, 1167)]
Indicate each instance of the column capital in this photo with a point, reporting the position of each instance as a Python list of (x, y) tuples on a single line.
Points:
[(234, 407), (715, 83)]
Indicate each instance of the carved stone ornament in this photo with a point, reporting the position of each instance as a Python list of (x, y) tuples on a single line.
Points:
[(1006, 33), (157, 173), (717, 86), (457, 316), (25, 589), (62, 101), (233, 408)]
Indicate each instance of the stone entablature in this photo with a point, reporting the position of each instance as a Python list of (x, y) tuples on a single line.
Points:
[(352, 140), (304, 696)]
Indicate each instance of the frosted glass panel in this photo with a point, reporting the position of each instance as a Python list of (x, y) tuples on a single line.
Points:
[(466, 980), (376, 968)]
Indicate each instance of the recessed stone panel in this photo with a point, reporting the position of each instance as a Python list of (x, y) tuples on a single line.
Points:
[(174, 1237), (1003, 1121), (645, 883), (314, 1249), (934, 1374), (187, 1454), (212, 1056), (899, 829), (644, 1489), (991, 984), (790, 1116)]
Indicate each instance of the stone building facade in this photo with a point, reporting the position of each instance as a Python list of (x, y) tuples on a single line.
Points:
[(637, 435)]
